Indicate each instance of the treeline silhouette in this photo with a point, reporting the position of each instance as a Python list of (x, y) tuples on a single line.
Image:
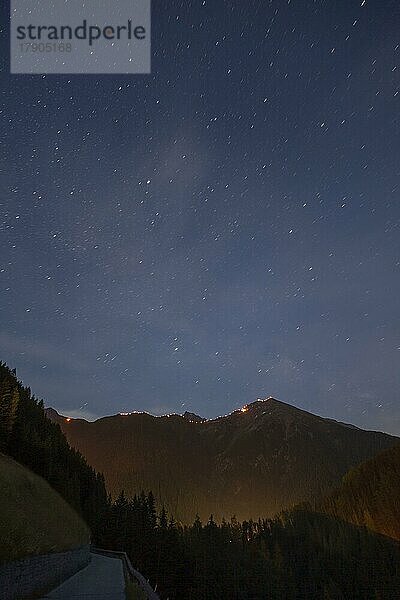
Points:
[(28, 436), (298, 555)]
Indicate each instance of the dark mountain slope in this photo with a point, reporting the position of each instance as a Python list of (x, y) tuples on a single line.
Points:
[(370, 495), (254, 461)]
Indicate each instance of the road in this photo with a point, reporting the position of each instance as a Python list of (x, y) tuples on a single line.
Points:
[(102, 579)]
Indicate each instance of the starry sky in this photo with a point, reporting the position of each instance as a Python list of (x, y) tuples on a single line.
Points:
[(222, 230)]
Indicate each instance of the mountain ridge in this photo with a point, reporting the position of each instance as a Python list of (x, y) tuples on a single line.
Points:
[(261, 458), (54, 415)]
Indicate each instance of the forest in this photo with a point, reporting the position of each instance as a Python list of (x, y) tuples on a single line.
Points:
[(299, 554)]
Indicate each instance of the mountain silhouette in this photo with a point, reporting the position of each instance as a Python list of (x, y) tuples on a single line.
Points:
[(253, 462)]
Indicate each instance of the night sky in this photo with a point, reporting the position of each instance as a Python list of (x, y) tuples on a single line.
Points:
[(222, 230)]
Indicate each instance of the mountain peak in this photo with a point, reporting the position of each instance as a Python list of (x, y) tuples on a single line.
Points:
[(54, 416), (264, 403), (267, 401), (192, 417)]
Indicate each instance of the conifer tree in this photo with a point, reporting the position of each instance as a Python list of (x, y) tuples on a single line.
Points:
[(9, 399)]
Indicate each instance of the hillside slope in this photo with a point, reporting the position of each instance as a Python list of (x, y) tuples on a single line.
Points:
[(28, 436), (253, 462), (34, 519), (370, 495)]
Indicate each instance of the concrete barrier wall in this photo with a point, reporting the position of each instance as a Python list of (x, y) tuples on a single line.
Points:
[(34, 576), (130, 572)]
